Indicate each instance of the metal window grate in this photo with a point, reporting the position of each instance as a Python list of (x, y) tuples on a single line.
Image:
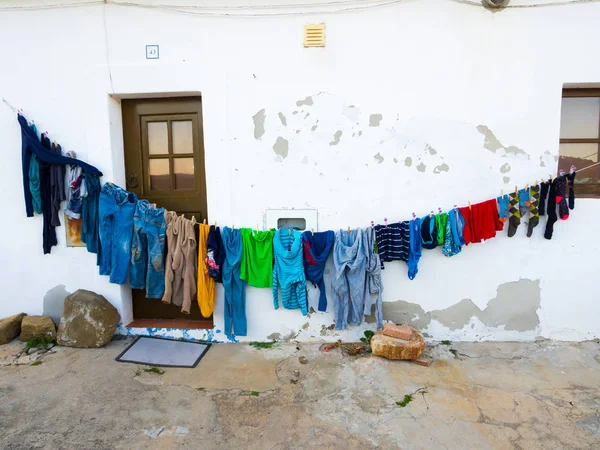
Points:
[(314, 35)]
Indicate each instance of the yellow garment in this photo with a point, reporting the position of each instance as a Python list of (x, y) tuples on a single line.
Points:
[(206, 285)]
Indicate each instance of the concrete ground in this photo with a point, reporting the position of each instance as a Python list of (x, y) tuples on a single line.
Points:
[(541, 395)]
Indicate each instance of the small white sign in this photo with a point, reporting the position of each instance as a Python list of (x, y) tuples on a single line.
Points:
[(151, 51)]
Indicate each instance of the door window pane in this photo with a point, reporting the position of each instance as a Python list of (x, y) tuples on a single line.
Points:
[(580, 155), (158, 138), (580, 117), (160, 179), (183, 137), (184, 173)]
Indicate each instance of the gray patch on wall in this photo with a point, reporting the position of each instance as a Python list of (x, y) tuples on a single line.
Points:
[(491, 143), (281, 147), (408, 161), (314, 127), (308, 101), (395, 161), (375, 120), (421, 167), (505, 168), (54, 301), (431, 150), (506, 179), (259, 124), (283, 119), (441, 168), (336, 137), (305, 160), (514, 307), (378, 158), (274, 337)]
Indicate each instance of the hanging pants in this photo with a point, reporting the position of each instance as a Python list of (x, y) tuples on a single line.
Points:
[(206, 284), (116, 228), (89, 215), (147, 249), (234, 287), (48, 231)]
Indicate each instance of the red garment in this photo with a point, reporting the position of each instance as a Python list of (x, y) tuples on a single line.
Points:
[(481, 221)]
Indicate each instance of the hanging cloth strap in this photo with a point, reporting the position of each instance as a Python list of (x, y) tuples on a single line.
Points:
[(31, 145)]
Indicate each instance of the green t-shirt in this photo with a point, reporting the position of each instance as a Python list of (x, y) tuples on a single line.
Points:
[(257, 257)]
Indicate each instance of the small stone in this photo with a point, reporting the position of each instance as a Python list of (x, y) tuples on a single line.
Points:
[(392, 348), (50, 345), (37, 327), (398, 331), (181, 430), (303, 360), (32, 350), (154, 432), (10, 327)]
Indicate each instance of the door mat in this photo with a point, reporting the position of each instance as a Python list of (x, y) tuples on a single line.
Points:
[(155, 351)]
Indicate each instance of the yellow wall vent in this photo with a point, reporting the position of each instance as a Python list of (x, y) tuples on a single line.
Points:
[(314, 35)]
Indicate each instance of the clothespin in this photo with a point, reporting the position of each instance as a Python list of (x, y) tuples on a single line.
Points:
[(527, 186), (232, 227), (385, 221), (348, 229), (256, 227), (372, 224), (193, 220), (516, 189), (414, 216), (215, 224), (561, 172), (501, 192), (312, 230), (154, 205), (204, 222), (469, 204), (573, 170), (289, 231), (431, 214), (440, 210)]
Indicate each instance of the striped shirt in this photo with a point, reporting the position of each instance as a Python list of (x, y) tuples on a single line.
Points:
[(393, 241)]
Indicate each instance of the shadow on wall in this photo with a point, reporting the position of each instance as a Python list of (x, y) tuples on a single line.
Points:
[(514, 307), (54, 301)]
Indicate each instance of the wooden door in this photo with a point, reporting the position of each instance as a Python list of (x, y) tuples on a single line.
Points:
[(164, 164)]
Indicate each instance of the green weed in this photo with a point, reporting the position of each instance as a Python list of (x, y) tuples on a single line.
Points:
[(154, 370), (446, 342), (254, 394), (36, 363), (407, 399), (40, 342), (263, 345)]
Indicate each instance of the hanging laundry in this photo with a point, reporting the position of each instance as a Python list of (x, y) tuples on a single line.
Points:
[(57, 185), (514, 215), (115, 218), (288, 270), (454, 240), (317, 247), (524, 202), (561, 197), (30, 144), (441, 220), (34, 179), (467, 233), (206, 285), (74, 189), (393, 241), (147, 249), (374, 281), (348, 284), (90, 228), (174, 261), (551, 207), (571, 179), (415, 248), (48, 230), (481, 221), (257, 260), (534, 212), (503, 204), (428, 232), (545, 186), (234, 288), (215, 252)]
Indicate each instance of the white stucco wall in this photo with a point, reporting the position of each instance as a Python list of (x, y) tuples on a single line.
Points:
[(434, 70)]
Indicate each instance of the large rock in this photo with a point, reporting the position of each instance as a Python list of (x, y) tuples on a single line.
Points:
[(37, 327), (392, 348), (10, 327), (88, 320)]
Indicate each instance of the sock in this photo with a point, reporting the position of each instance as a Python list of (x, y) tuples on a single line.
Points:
[(561, 197), (544, 197), (524, 202), (534, 213), (551, 211), (514, 219), (503, 208), (571, 179)]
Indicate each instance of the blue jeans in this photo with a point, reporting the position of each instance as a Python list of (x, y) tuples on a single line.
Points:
[(234, 309), (89, 215), (116, 227), (147, 249)]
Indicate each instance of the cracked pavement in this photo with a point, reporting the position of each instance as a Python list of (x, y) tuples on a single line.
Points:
[(540, 395)]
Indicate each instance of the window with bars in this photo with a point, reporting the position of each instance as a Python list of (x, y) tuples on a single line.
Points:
[(580, 138)]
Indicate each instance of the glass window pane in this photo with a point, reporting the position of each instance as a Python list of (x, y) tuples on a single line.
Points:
[(184, 173), (158, 138), (580, 117), (160, 180), (183, 137), (580, 155)]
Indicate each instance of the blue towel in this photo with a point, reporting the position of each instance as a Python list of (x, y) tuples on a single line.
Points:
[(317, 247)]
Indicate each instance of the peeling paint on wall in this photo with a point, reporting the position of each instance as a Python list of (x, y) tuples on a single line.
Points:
[(514, 308), (430, 149), (505, 168), (378, 158), (283, 119), (441, 168), (506, 179), (308, 101), (395, 161), (421, 167), (408, 161), (281, 147), (336, 137), (375, 120), (314, 127), (491, 142), (259, 124)]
